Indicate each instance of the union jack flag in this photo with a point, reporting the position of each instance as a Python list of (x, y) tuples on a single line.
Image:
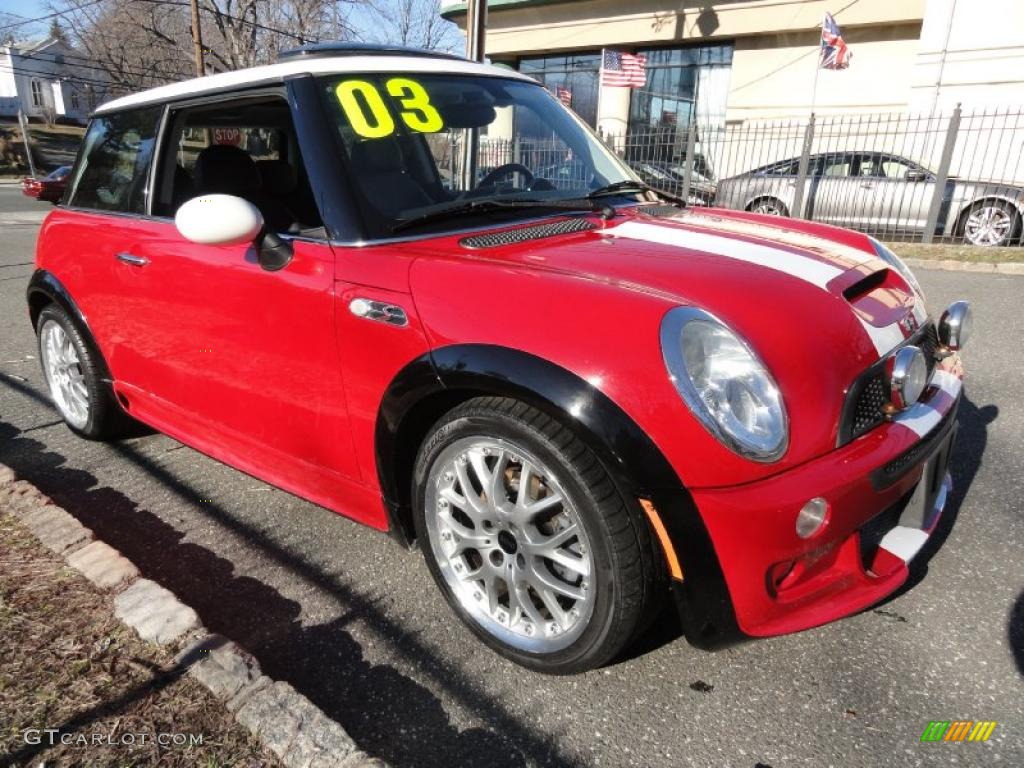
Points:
[(626, 69), (835, 54)]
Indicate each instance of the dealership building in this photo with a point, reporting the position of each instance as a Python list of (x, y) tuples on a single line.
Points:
[(733, 61)]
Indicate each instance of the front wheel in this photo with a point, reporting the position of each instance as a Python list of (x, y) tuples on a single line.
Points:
[(769, 206), (529, 539), (991, 223)]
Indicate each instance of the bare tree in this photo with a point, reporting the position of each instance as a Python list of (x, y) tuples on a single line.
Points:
[(129, 45), (415, 23)]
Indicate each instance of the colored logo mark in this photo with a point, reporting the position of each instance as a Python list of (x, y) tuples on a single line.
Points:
[(958, 730)]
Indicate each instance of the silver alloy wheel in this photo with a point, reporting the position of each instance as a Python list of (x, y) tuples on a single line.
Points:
[(64, 373), (510, 544), (988, 225), (769, 207)]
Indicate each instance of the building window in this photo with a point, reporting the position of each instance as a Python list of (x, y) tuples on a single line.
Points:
[(682, 84), (37, 93), (573, 78)]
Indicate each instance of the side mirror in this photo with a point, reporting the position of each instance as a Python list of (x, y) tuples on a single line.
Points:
[(219, 220), (915, 175), (230, 220)]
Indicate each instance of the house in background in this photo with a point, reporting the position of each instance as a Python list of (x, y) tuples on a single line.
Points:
[(46, 82)]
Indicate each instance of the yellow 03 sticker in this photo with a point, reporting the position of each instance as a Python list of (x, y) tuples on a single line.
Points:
[(382, 124), (417, 112)]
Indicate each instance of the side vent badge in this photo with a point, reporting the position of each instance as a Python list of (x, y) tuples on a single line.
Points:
[(378, 310)]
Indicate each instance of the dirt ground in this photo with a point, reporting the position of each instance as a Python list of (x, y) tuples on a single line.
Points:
[(67, 664)]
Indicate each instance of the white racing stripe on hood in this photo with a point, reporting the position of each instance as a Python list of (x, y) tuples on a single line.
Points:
[(885, 339), (807, 269)]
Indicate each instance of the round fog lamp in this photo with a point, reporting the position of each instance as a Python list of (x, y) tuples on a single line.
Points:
[(812, 518), (908, 376), (955, 325)]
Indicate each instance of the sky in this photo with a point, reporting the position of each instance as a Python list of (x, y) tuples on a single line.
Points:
[(30, 9)]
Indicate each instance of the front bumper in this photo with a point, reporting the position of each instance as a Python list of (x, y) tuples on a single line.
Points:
[(886, 492)]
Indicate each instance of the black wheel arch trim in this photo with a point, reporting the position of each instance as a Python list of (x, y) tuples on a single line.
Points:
[(45, 283), (432, 384)]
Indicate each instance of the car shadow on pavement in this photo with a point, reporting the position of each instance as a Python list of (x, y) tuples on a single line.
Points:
[(387, 713), (1016, 633), (971, 440)]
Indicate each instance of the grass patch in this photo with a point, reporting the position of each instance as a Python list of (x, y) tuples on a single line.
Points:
[(66, 662), (957, 252)]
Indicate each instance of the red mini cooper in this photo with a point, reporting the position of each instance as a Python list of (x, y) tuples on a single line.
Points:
[(346, 274)]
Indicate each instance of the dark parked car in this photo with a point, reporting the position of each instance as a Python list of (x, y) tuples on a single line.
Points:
[(671, 177), (879, 192), (50, 187)]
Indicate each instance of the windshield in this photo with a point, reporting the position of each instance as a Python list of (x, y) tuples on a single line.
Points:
[(432, 151)]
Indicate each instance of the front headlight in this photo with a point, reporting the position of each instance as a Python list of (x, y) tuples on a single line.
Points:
[(728, 389), (896, 263)]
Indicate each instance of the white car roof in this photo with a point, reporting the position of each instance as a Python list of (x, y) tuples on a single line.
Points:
[(271, 73)]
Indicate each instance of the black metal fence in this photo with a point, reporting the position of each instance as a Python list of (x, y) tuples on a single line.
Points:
[(956, 177)]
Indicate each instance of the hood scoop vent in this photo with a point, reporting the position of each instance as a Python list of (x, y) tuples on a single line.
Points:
[(659, 210), (865, 286), (533, 232)]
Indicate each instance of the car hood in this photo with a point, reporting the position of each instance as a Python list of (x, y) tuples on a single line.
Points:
[(816, 303), (751, 270)]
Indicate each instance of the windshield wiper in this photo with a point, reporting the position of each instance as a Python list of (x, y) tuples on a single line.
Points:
[(627, 185), (463, 207)]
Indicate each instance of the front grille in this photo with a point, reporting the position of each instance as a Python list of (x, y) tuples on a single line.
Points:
[(868, 412), (929, 343), (533, 232), (885, 476), (869, 394)]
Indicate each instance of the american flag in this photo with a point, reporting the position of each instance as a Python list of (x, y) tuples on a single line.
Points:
[(626, 69), (564, 95), (835, 54)]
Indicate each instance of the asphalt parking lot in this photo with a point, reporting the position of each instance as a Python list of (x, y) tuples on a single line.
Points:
[(353, 622)]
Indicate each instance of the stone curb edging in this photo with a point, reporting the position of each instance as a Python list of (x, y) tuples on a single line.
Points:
[(953, 265), (281, 718)]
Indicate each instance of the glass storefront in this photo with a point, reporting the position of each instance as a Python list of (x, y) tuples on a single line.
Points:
[(573, 78), (682, 84)]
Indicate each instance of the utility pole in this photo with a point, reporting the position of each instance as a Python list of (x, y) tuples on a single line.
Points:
[(28, 145), (476, 27), (197, 39)]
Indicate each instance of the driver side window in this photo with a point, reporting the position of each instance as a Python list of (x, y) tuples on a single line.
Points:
[(243, 148)]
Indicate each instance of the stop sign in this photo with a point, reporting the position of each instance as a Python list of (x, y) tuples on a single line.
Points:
[(231, 136)]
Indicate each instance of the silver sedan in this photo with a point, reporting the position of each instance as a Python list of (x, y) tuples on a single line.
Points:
[(881, 194)]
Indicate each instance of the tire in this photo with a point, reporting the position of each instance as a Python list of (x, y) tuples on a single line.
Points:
[(590, 551), (991, 223), (74, 373), (769, 206)]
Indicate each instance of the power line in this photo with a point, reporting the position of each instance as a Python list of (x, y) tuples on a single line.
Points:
[(137, 70), (256, 24), (81, 80), (47, 16)]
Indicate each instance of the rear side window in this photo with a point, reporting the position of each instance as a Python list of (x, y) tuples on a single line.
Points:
[(116, 155)]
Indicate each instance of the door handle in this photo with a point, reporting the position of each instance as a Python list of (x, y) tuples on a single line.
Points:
[(131, 258)]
